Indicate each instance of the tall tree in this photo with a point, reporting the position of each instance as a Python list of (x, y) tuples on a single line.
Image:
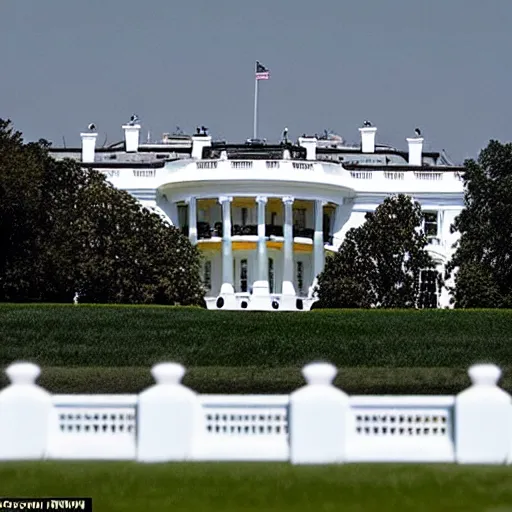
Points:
[(21, 175), (483, 256), (379, 263), (64, 229)]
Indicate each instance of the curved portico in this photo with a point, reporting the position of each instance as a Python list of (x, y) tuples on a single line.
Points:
[(262, 251)]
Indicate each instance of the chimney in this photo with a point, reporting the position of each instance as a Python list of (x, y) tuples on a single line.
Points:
[(415, 150), (131, 137), (310, 144), (198, 143), (368, 139), (88, 146)]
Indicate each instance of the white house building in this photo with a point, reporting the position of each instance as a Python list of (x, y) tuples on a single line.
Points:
[(264, 216)]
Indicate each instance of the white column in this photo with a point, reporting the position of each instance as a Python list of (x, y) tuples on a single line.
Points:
[(227, 249), (261, 286), (318, 244), (192, 220), (288, 288)]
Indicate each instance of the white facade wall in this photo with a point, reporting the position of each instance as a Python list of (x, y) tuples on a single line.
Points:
[(352, 193)]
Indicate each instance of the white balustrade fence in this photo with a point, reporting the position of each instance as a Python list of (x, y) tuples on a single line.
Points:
[(317, 424)]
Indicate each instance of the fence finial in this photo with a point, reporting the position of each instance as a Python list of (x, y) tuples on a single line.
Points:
[(23, 373), (168, 373), (319, 373), (484, 374)]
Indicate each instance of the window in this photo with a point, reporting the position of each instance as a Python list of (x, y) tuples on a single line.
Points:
[(208, 275), (300, 277), (182, 215), (271, 275), (273, 218), (202, 215), (430, 225), (244, 216), (243, 276), (299, 218), (326, 224), (428, 289)]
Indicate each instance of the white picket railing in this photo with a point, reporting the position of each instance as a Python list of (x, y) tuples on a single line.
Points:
[(318, 423)]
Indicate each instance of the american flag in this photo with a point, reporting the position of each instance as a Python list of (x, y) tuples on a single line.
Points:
[(262, 73)]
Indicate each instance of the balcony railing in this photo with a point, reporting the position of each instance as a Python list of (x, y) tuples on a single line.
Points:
[(144, 173), (272, 230), (248, 230), (303, 166), (430, 176), (205, 231), (399, 175), (208, 164), (388, 174), (241, 164), (393, 175), (303, 232)]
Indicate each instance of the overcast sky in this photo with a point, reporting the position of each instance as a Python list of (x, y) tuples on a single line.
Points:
[(441, 65)]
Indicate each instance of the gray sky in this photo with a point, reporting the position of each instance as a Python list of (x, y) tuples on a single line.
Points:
[(441, 65)]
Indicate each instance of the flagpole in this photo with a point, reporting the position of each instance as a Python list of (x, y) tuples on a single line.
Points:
[(255, 127)]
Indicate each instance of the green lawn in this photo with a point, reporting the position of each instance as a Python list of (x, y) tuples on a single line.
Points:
[(230, 487), (250, 380), (110, 349)]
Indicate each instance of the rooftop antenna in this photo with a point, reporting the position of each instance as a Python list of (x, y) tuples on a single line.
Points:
[(64, 141), (105, 141), (149, 137)]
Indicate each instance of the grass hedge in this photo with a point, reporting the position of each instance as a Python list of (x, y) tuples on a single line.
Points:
[(111, 348)]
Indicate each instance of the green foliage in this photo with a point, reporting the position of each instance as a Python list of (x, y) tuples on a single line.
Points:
[(378, 264), (484, 250), (64, 229), (231, 487)]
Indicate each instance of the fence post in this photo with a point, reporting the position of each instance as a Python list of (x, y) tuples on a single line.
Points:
[(25, 411), (483, 414), (168, 416), (318, 418)]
